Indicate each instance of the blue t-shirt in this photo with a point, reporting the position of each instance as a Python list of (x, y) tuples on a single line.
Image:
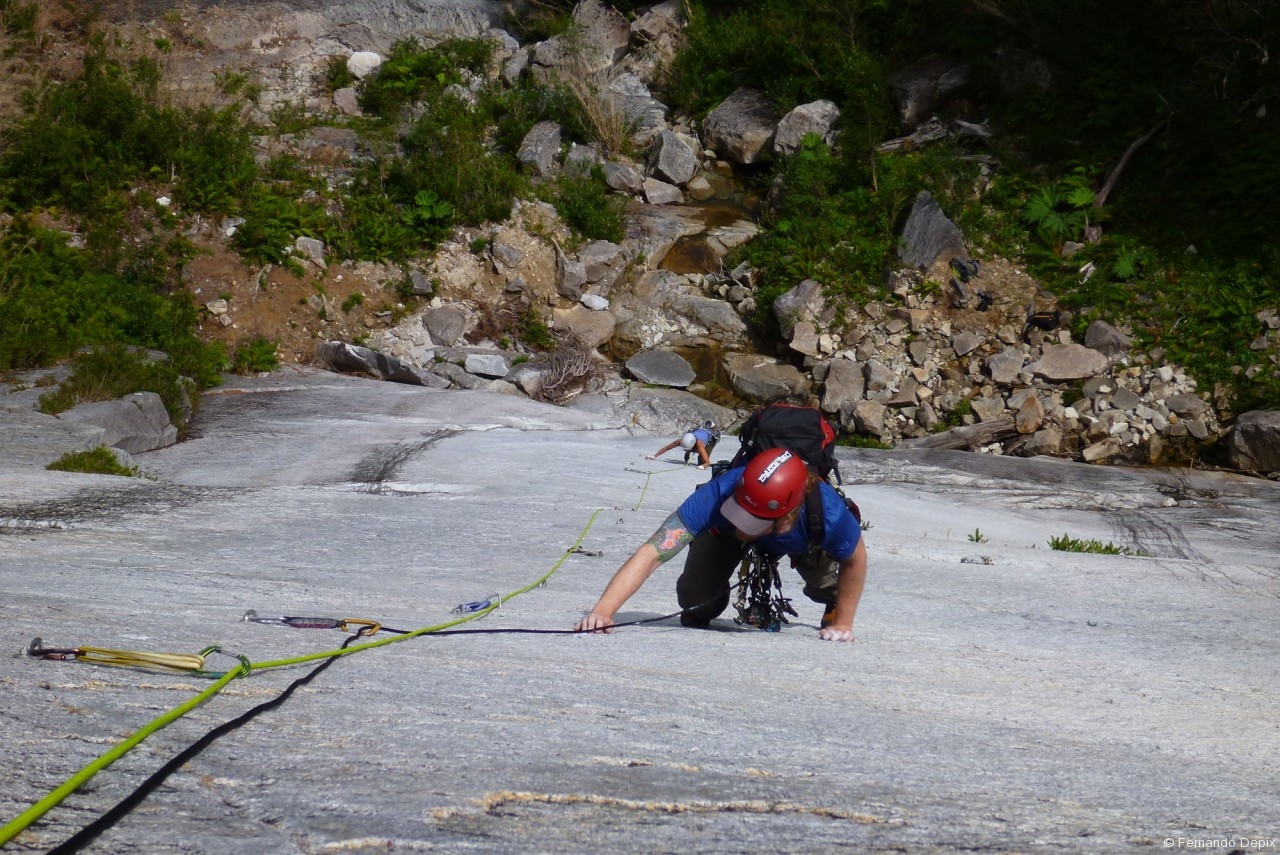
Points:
[(702, 435), (841, 531)]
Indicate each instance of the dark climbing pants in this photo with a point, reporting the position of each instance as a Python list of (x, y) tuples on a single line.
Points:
[(703, 588)]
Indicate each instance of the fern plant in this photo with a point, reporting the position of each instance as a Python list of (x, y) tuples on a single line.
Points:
[(1059, 212), (429, 217)]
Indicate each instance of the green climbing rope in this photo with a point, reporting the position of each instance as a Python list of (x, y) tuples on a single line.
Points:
[(40, 808)]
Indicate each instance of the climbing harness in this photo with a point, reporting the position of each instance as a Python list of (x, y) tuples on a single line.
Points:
[(760, 602), (364, 627)]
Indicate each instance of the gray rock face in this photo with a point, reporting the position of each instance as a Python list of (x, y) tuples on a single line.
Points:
[(966, 342), (486, 365), (340, 356), (35, 439), (599, 39), (349, 358), (804, 302), (716, 317), (658, 192), (670, 412), (623, 177), (661, 368), (1187, 405), (1006, 365), (646, 115), (381, 517), (589, 328), (1255, 442)]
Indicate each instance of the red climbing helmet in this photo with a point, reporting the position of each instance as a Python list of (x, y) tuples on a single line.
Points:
[(771, 487)]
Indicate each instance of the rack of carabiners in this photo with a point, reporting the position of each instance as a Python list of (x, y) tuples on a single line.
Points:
[(760, 602)]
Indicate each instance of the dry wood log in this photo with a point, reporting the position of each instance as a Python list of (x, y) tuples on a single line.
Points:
[(967, 437)]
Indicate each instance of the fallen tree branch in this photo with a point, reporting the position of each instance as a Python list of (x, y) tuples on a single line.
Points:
[(1110, 183), (967, 437)]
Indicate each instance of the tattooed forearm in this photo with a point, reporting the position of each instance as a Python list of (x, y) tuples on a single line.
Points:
[(671, 537)]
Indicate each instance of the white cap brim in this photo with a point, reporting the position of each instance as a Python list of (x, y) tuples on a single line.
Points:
[(743, 520)]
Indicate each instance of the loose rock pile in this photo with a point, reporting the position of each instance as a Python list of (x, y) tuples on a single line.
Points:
[(983, 362)]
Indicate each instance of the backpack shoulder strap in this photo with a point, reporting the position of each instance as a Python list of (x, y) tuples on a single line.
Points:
[(814, 525)]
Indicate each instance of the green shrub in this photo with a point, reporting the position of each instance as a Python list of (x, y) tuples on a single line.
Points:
[(816, 49), (1067, 543), (534, 333), (413, 73), (337, 74), (588, 207), (861, 440), (370, 226), (55, 300), (273, 222), (20, 18), (113, 371), (82, 144), (517, 109), (1062, 211), (955, 418), (97, 461), (446, 153), (428, 217), (255, 356)]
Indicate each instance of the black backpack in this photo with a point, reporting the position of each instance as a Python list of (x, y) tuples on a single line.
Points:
[(803, 431)]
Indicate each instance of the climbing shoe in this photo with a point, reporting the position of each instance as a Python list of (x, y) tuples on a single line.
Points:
[(828, 617), (693, 621)]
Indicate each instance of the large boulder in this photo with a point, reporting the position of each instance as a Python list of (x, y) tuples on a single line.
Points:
[(804, 302), (922, 87), (741, 128), (135, 423), (765, 380), (818, 117), (661, 368), (1068, 362), (1106, 339), (672, 159), (929, 235), (598, 37), (1255, 442), (540, 146)]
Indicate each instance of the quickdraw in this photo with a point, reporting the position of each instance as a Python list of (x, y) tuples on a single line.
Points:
[(760, 602), (184, 663), (364, 627)]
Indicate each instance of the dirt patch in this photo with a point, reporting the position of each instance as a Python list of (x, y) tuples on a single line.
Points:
[(340, 301)]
